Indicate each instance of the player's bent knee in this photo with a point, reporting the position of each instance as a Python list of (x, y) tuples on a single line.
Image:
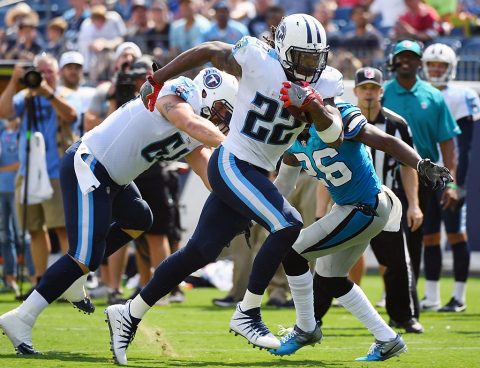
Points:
[(140, 218), (80, 264)]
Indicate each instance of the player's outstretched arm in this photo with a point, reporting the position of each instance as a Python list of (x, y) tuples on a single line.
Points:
[(287, 174), (429, 173), (180, 114), (215, 52), (198, 161)]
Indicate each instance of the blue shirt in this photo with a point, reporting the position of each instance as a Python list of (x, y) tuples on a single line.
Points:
[(231, 34), (184, 39), (46, 124), (426, 113), (347, 172), (8, 156)]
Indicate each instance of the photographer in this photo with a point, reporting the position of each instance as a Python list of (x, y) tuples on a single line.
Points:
[(103, 102), (44, 107)]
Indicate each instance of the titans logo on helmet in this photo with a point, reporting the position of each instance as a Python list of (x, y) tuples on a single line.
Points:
[(212, 79)]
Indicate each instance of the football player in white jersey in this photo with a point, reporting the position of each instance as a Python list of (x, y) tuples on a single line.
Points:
[(260, 131), (439, 65), (103, 207)]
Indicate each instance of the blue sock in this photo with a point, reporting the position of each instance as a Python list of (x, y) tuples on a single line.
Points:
[(461, 261), (171, 272), (58, 278), (432, 261)]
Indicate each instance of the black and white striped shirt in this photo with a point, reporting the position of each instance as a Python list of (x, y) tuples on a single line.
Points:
[(386, 166)]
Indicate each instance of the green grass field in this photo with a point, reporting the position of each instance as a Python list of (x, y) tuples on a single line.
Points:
[(195, 334)]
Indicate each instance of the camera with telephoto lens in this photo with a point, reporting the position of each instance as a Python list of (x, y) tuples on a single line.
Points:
[(32, 78), (125, 85)]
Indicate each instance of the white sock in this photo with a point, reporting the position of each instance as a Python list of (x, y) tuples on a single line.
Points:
[(459, 290), (76, 291), (31, 308), (138, 307), (302, 294), (250, 301), (432, 291), (357, 303)]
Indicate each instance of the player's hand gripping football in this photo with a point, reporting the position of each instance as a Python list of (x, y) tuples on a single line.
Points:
[(150, 90), (299, 94), (433, 175)]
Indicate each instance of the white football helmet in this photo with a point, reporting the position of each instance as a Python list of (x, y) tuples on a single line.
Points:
[(219, 92), (441, 53), (301, 44)]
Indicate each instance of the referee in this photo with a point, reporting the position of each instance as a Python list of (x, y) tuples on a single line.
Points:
[(390, 248)]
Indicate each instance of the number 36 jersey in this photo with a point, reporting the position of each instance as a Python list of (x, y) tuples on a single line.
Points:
[(131, 139), (347, 171), (260, 128)]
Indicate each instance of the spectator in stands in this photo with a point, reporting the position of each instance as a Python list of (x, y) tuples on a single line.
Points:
[(324, 13), (55, 41), (297, 7), (420, 22), (223, 28), (258, 24), (138, 24), (273, 17), (444, 8), (470, 7), (53, 114), (158, 43), (74, 17), (242, 10), (8, 220), (99, 35), (189, 30), (365, 42), (15, 14), (25, 44), (71, 76), (389, 10)]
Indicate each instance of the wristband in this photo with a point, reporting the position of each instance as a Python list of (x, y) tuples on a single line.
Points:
[(452, 185)]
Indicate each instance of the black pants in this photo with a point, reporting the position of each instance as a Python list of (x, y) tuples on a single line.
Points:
[(401, 292), (415, 238)]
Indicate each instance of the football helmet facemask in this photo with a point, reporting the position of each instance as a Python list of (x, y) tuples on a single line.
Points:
[(301, 44), (219, 92)]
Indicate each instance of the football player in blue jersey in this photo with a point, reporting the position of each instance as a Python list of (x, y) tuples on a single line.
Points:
[(362, 209), (260, 131)]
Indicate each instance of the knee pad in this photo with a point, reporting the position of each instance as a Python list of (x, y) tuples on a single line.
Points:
[(139, 217), (333, 286)]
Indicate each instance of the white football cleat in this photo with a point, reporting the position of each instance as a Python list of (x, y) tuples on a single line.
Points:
[(122, 330), (19, 330), (249, 324)]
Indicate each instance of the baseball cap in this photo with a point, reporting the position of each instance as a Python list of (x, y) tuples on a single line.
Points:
[(368, 75), (221, 5), (71, 57), (407, 45), (141, 66), (128, 45)]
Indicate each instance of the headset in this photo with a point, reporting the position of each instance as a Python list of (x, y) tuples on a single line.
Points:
[(390, 64)]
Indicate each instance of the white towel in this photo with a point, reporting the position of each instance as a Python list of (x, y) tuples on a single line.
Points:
[(393, 223), (81, 163), (39, 187)]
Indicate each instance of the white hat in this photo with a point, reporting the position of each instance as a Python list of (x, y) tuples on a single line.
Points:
[(71, 57), (128, 45)]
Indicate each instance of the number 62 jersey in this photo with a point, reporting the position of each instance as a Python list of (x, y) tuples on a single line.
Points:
[(260, 128), (131, 139)]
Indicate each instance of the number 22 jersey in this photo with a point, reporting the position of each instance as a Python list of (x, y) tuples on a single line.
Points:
[(260, 128)]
